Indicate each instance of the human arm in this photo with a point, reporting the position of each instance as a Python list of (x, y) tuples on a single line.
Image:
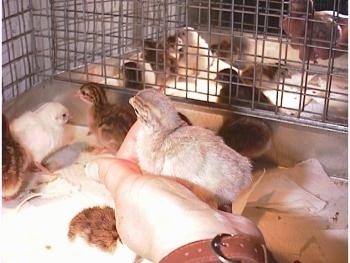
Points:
[(155, 214)]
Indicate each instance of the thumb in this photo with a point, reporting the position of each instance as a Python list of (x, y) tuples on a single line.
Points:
[(114, 173)]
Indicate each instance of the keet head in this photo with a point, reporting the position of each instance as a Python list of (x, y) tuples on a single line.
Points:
[(54, 112), (92, 93), (154, 109)]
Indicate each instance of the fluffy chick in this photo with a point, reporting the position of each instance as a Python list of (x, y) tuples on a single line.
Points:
[(301, 7), (132, 75), (249, 136), (235, 91), (163, 56), (42, 131), (15, 163), (230, 50), (108, 122), (199, 159), (196, 57), (262, 74), (97, 226)]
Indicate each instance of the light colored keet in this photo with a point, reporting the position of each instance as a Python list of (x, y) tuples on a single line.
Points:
[(196, 58), (43, 130), (195, 156)]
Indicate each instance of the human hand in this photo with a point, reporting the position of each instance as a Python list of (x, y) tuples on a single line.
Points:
[(155, 214)]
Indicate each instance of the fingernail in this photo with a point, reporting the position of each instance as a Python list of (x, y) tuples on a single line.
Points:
[(91, 171)]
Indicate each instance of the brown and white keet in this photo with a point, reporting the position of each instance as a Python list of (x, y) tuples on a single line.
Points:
[(97, 226), (15, 163)]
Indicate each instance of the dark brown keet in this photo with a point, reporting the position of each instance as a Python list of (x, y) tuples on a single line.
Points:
[(108, 122)]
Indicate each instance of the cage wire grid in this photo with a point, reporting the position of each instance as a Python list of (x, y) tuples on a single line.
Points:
[(91, 40)]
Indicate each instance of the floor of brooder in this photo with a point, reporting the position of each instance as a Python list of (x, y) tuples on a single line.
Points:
[(301, 212), (36, 230)]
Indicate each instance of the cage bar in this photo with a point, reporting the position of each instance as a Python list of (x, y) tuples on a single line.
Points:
[(91, 40)]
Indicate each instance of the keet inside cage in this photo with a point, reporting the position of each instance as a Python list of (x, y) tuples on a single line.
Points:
[(269, 77)]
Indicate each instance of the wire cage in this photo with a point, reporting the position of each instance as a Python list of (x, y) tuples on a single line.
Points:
[(283, 62), (272, 59)]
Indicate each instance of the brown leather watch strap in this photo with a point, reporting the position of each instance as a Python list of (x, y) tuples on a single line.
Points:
[(223, 248)]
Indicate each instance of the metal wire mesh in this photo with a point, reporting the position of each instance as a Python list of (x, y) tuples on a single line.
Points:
[(125, 44), (18, 67)]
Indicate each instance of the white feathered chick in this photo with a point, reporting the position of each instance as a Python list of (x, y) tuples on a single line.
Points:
[(42, 131), (196, 57)]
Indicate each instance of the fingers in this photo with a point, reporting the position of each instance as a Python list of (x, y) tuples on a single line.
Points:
[(127, 150), (112, 172)]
